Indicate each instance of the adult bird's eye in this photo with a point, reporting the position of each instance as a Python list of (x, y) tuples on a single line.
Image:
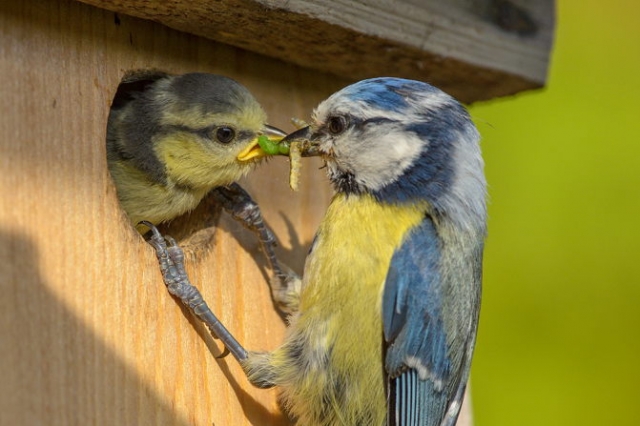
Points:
[(225, 134), (337, 124)]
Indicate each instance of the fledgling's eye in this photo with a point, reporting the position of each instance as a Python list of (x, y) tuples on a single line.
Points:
[(225, 134), (337, 124)]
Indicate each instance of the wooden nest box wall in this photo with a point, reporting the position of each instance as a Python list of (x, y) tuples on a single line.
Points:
[(89, 334)]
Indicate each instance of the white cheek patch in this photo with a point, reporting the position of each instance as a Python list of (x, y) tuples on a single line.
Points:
[(384, 157), (380, 154)]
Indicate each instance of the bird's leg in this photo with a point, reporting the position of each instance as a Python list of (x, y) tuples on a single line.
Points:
[(257, 365), (171, 260), (285, 284)]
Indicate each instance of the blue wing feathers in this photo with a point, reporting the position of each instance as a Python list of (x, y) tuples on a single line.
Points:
[(417, 359), (409, 388), (411, 310), (393, 304)]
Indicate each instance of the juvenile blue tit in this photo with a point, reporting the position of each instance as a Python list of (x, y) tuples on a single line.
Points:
[(388, 305), (172, 139)]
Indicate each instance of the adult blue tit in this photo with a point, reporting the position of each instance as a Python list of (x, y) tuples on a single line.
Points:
[(172, 139), (388, 305)]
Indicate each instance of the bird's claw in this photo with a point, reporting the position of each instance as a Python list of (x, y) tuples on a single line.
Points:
[(224, 353), (239, 204), (285, 284), (171, 260)]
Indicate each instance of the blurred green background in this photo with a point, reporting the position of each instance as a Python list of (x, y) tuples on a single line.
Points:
[(559, 339)]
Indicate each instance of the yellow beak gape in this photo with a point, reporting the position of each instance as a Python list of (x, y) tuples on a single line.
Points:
[(252, 151), (271, 135)]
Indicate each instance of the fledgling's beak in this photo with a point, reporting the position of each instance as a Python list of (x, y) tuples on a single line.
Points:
[(254, 151), (305, 137)]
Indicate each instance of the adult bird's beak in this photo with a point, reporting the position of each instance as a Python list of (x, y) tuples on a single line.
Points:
[(305, 137), (254, 150)]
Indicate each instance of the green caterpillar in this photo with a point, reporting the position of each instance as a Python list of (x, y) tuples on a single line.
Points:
[(271, 147)]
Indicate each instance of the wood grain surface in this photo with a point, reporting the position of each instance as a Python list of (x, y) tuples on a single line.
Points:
[(475, 50)]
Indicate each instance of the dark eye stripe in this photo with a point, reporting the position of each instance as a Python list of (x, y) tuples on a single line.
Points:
[(204, 132), (375, 120), (209, 132), (359, 124), (245, 135)]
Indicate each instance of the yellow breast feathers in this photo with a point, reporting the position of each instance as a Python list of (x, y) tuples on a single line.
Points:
[(354, 246), (336, 340)]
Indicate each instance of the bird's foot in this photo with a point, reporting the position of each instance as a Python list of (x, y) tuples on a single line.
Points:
[(171, 259), (285, 284)]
